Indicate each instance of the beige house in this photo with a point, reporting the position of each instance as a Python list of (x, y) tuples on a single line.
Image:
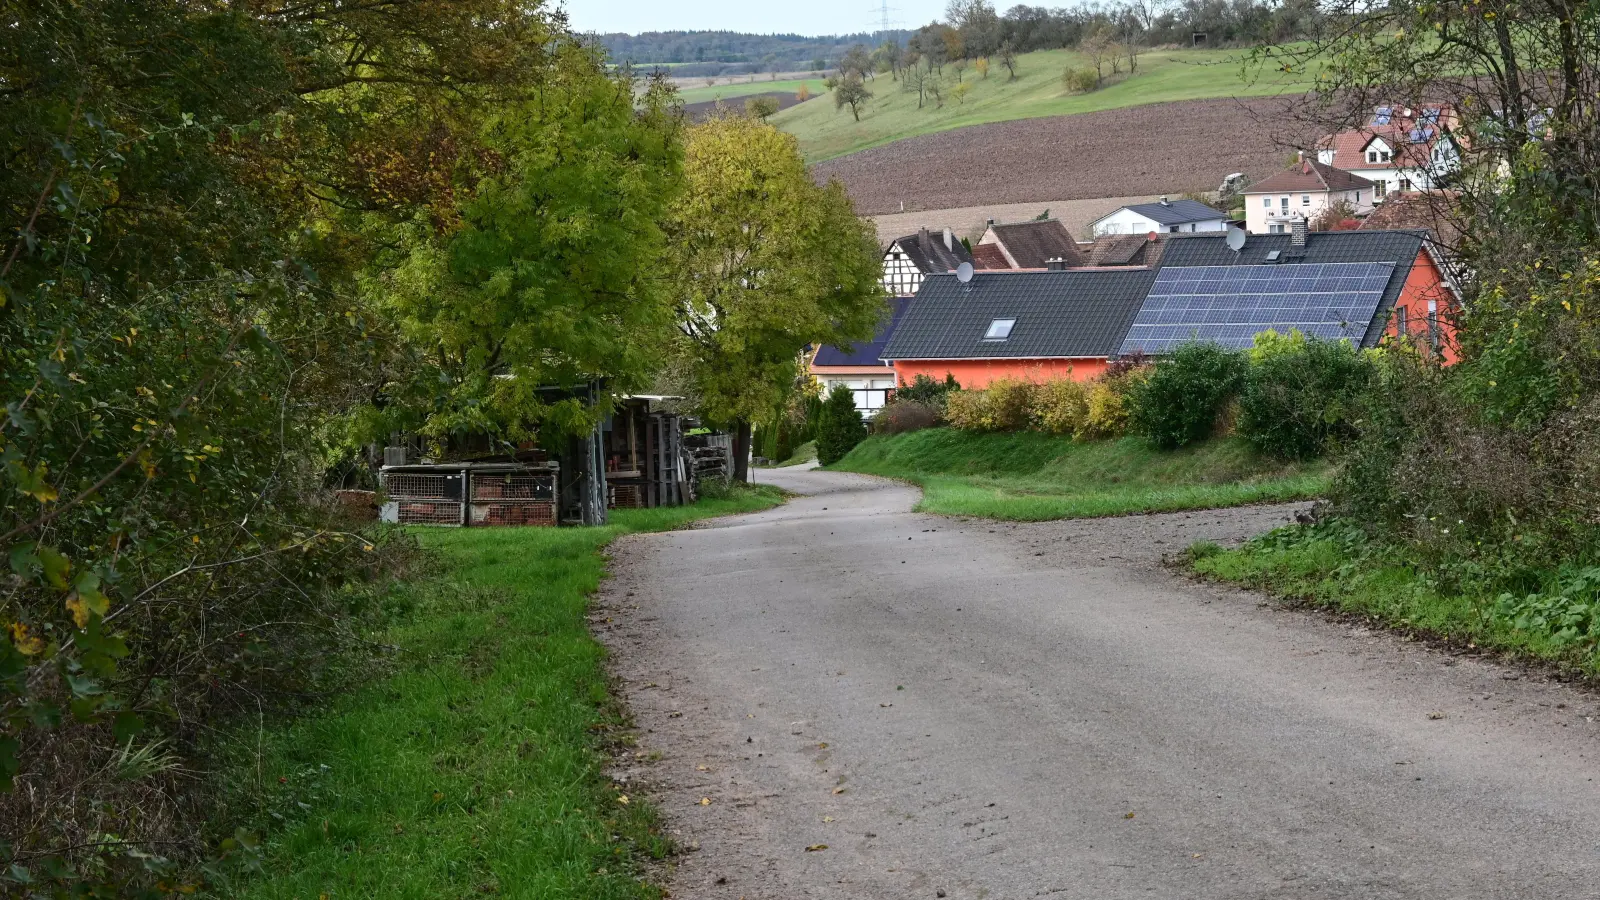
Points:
[(1305, 189)]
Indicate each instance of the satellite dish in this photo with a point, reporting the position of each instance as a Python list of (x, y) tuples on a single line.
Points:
[(964, 272), (1236, 238)]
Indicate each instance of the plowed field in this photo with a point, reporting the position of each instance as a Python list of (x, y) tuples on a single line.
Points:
[(1163, 148)]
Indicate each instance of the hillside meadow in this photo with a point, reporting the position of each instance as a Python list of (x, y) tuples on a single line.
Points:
[(892, 114)]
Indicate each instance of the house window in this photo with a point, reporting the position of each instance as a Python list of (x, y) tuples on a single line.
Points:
[(999, 329), (1358, 198), (1379, 188), (1283, 203), (1305, 199), (1405, 184), (1276, 228), (1172, 229), (1267, 202)]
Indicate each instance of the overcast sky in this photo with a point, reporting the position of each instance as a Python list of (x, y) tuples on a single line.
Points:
[(757, 16)]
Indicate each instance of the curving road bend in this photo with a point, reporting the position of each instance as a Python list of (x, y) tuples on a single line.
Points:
[(967, 709)]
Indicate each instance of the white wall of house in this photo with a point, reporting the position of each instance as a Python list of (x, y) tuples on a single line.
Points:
[(1126, 221), (871, 390), (901, 277), (1273, 213), (1376, 164)]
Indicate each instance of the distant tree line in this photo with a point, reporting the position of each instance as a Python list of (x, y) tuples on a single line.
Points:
[(701, 53)]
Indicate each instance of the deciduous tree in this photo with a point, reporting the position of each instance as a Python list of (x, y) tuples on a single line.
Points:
[(763, 261)]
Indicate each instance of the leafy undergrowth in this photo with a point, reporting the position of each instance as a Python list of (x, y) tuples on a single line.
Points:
[(1027, 476), (1552, 617), (475, 763)]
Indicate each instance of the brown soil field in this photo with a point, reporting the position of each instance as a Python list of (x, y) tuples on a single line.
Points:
[(1162, 148), (699, 111)]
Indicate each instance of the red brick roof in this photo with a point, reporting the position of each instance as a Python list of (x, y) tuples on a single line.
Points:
[(1309, 175), (989, 256)]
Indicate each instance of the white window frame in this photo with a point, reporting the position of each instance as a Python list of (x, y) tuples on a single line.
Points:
[(1000, 330)]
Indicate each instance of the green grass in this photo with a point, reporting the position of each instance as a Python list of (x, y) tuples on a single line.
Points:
[(742, 89), (474, 764), (1337, 569), (1032, 477), (802, 454), (892, 113)]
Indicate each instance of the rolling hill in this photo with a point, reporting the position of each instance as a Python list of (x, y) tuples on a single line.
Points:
[(892, 114)]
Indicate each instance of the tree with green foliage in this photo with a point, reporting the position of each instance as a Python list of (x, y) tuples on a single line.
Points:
[(762, 261), (851, 92), (762, 107), (841, 427), (232, 236), (1185, 394)]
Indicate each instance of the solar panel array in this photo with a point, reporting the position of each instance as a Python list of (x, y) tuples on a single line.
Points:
[(1230, 305)]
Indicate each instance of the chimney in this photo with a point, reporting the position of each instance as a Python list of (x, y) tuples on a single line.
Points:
[(922, 238), (1297, 237), (1164, 201), (1055, 264), (988, 221), (949, 240)]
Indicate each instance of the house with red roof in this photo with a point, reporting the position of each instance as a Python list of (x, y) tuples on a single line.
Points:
[(1031, 245), (1399, 148), (1303, 191)]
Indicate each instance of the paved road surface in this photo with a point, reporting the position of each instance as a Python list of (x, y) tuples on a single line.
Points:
[(971, 709)]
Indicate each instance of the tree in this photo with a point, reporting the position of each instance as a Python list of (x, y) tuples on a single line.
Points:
[(917, 79), (763, 261), (960, 92), (1100, 47), (981, 65), (857, 63), (888, 58), (762, 107), (841, 427), (1008, 58), (853, 93), (977, 24)]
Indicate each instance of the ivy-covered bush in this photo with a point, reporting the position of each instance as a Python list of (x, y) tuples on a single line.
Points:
[(1185, 393), (1302, 398)]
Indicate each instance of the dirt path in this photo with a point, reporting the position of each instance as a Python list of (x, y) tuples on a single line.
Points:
[(966, 709)]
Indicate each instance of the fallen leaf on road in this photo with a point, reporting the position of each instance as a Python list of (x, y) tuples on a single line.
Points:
[(1436, 715), (838, 790), (815, 847), (823, 745), (702, 768), (1128, 816), (705, 801), (885, 705)]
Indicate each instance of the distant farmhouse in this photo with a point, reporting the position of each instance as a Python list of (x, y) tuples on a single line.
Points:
[(1163, 217), (912, 258)]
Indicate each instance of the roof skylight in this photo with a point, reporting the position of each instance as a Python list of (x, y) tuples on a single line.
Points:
[(999, 329)]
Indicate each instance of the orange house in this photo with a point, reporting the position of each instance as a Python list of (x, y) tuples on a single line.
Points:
[(1359, 286), (1036, 325)]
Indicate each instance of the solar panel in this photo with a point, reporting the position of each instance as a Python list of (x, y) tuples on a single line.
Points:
[(1230, 305), (1383, 116)]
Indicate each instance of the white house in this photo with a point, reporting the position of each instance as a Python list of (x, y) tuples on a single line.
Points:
[(1398, 149), (1163, 217), (1305, 190)]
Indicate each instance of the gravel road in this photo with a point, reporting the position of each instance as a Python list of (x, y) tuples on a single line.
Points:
[(967, 709)]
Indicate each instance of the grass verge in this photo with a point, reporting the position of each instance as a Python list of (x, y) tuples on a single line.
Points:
[(1032, 477), (892, 114), (1335, 567), (474, 764)]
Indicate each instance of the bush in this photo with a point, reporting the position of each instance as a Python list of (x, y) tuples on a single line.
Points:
[(1060, 406), (1011, 403), (902, 416), (969, 411), (1185, 393), (1080, 81), (841, 426), (1105, 413), (1303, 398), (923, 389)]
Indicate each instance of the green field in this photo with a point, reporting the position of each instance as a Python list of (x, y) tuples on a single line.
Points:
[(742, 89), (892, 113), (475, 765), (1033, 477)]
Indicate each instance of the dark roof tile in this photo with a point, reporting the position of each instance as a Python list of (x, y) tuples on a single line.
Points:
[(1034, 244), (1059, 315), (866, 353), (931, 255), (1177, 212)]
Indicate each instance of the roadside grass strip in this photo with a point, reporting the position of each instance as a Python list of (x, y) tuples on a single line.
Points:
[(1033, 477), (1333, 568), (474, 764)]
